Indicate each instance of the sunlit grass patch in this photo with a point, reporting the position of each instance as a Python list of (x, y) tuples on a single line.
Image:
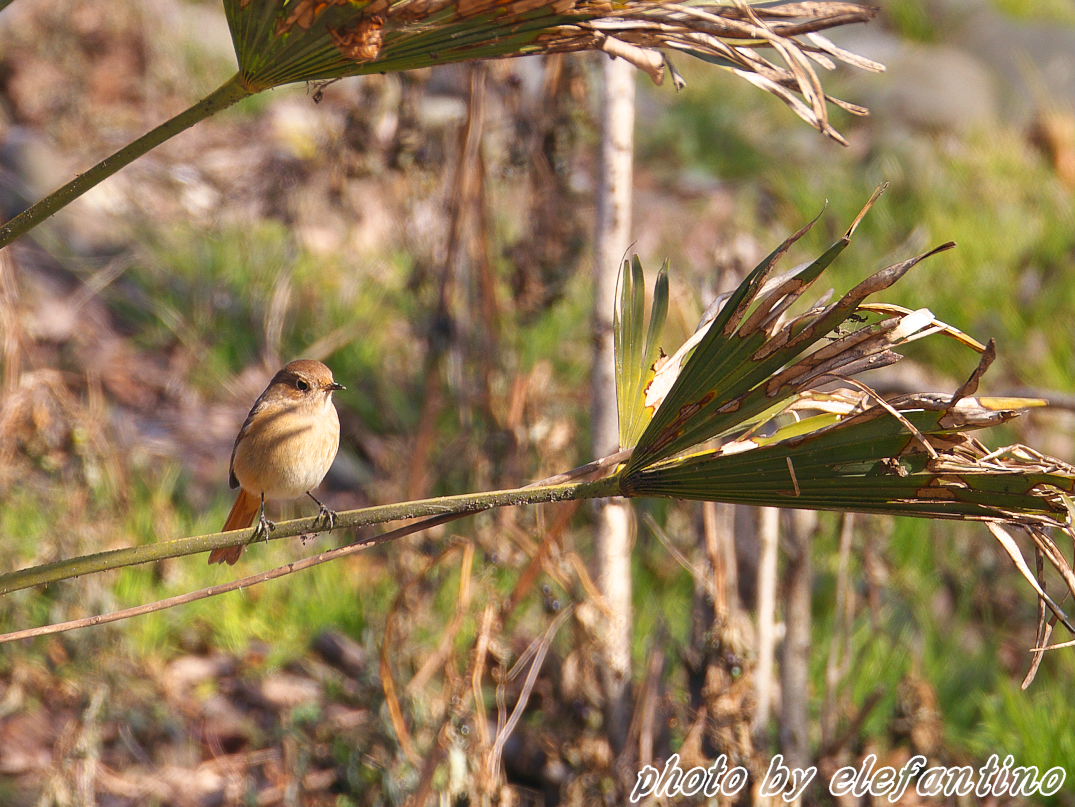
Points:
[(1033, 726), (285, 618), (1060, 12), (912, 20)]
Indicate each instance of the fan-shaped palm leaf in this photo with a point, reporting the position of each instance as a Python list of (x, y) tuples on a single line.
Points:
[(745, 413)]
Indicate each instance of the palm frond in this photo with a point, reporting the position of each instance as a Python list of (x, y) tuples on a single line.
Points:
[(312, 40), (911, 457), (747, 342), (747, 412)]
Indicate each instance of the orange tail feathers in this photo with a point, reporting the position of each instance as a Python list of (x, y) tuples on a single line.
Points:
[(241, 516)]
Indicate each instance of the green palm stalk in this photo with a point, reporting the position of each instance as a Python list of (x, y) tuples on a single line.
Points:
[(284, 41)]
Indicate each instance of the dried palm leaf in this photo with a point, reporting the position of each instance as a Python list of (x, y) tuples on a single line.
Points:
[(746, 413), (314, 40)]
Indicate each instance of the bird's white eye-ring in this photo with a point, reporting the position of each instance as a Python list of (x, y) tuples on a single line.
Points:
[(301, 385)]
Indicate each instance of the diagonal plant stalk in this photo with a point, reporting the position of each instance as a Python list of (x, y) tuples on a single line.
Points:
[(233, 585), (442, 506), (279, 43)]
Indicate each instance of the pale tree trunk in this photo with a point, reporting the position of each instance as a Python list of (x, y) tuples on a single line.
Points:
[(614, 523), (795, 657), (768, 539), (838, 663)]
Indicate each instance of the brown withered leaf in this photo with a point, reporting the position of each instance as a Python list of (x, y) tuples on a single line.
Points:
[(361, 42), (305, 14)]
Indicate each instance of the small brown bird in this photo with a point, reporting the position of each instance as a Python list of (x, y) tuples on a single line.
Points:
[(284, 448)]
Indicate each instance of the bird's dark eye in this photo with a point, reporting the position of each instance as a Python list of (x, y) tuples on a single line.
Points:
[(301, 385)]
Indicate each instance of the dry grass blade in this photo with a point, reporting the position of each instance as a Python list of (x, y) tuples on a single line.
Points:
[(388, 676), (1007, 542), (481, 651), (539, 649), (436, 660), (1045, 627), (1047, 547), (1043, 649)]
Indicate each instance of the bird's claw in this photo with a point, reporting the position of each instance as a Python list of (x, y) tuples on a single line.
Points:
[(263, 528), (327, 517)]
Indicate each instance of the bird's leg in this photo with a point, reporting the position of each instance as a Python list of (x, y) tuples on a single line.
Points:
[(264, 526), (324, 514)]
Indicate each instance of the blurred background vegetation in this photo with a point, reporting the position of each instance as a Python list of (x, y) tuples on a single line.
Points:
[(139, 324)]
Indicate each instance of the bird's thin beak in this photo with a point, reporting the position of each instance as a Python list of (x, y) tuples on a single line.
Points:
[(335, 386)]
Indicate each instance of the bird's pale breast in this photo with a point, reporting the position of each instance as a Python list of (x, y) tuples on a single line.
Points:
[(287, 450)]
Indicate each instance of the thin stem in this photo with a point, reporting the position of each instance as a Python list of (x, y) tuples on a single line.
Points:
[(232, 90), (463, 504), (232, 585)]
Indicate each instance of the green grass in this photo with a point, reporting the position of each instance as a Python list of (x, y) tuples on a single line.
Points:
[(912, 20), (1061, 12), (285, 614), (1033, 726)]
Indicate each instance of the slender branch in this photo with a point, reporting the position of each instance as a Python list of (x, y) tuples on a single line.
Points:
[(232, 90), (443, 506), (223, 588)]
